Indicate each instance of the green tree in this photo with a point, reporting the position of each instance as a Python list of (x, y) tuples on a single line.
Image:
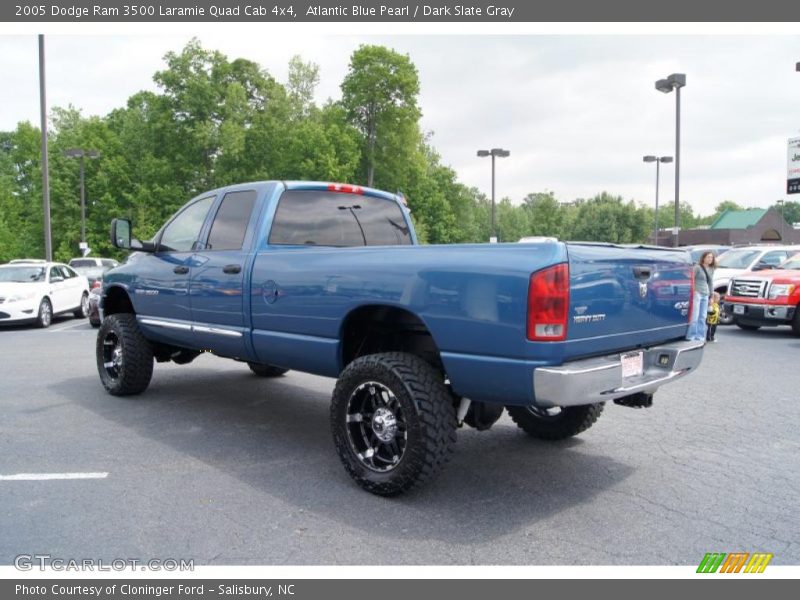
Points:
[(379, 94)]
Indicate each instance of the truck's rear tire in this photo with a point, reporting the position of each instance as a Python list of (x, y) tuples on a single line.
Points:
[(266, 370), (124, 356), (393, 422), (555, 423)]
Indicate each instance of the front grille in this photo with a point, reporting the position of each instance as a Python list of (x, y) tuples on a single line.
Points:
[(748, 288)]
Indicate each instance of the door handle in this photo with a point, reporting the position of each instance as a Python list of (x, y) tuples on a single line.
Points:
[(232, 269), (641, 272), (181, 270)]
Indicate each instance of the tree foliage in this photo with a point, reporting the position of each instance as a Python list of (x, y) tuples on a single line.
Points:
[(215, 121)]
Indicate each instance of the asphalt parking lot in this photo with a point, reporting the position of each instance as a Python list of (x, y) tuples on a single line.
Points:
[(217, 465)]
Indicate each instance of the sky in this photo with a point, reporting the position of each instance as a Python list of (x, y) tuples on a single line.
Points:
[(577, 112)]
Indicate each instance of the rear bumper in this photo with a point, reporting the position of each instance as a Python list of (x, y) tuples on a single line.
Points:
[(600, 379)]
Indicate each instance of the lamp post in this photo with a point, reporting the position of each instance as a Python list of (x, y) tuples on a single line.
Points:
[(675, 82), (82, 154), (494, 152), (658, 160)]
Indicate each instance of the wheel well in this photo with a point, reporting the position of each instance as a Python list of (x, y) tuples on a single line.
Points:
[(117, 301), (373, 329)]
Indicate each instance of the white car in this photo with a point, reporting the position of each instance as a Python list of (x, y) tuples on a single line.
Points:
[(36, 291)]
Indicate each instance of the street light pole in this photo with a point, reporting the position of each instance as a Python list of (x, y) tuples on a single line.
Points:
[(494, 152), (675, 82), (82, 154), (658, 160), (48, 238)]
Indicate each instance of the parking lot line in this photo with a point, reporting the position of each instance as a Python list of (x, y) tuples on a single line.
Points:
[(70, 326), (49, 476)]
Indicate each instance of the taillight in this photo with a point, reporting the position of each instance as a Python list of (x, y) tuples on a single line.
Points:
[(548, 304), (345, 188)]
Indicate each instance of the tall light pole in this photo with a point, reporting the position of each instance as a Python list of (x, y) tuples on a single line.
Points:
[(494, 152), (48, 238), (675, 82), (658, 160), (82, 154)]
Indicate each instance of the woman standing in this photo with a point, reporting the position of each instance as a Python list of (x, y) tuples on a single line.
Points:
[(703, 288)]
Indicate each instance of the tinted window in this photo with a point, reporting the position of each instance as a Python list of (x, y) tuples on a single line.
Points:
[(55, 272), (335, 219), (230, 224), (181, 234)]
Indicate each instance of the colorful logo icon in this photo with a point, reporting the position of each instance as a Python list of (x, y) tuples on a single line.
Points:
[(735, 562)]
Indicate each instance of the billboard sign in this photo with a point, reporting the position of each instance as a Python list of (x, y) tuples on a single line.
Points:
[(793, 163)]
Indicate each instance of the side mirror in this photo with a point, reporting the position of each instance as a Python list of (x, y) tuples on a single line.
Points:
[(121, 237), (121, 234)]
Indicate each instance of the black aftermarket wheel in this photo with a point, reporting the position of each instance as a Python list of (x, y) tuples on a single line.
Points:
[(393, 422), (124, 356), (555, 423)]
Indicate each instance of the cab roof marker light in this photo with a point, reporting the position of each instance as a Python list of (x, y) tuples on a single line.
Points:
[(345, 188)]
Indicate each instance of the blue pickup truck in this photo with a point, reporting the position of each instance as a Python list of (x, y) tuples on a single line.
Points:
[(329, 279)]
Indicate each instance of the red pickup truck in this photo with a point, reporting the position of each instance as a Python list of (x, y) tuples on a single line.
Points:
[(768, 298)]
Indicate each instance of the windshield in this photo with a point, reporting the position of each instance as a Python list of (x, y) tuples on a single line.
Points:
[(83, 262), (22, 274), (737, 259)]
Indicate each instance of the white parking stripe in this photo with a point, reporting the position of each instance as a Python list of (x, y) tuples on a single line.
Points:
[(49, 476), (70, 326)]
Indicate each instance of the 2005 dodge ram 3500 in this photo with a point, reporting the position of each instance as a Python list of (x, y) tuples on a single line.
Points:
[(329, 279)]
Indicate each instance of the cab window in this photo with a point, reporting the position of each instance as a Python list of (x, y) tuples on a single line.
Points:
[(231, 220), (184, 230)]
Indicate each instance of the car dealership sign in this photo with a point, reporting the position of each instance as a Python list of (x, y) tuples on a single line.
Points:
[(793, 164)]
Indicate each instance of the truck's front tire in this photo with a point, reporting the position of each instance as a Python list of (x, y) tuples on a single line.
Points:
[(393, 422), (555, 424), (266, 370), (124, 356)]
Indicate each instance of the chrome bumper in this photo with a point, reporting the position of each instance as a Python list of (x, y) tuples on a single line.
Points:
[(600, 379)]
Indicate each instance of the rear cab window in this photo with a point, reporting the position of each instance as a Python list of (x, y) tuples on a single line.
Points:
[(230, 223), (328, 218)]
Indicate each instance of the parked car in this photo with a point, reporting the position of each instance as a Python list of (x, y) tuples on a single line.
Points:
[(698, 251), (95, 293), (329, 279), (22, 261), (36, 291), (85, 261), (768, 298), (742, 260)]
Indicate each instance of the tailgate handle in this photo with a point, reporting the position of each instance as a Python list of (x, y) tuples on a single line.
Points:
[(641, 272)]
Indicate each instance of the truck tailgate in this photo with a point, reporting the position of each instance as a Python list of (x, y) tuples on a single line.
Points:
[(625, 298)]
